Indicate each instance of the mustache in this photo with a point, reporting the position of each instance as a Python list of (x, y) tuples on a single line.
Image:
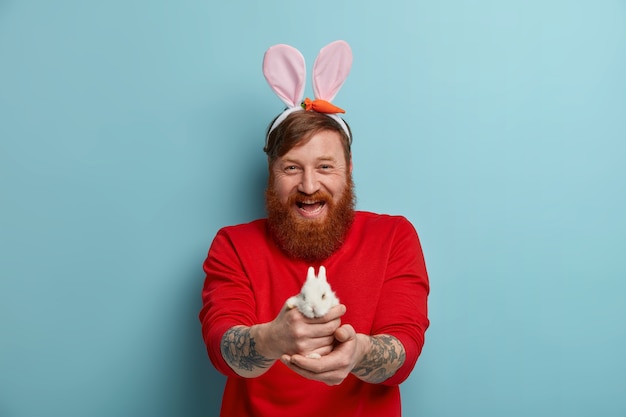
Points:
[(318, 196)]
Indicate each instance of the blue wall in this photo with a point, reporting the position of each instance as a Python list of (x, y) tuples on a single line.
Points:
[(130, 131)]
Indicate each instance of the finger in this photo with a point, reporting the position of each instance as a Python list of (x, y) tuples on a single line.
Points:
[(323, 346), (321, 365), (333, 314), (292, 363), (302, 364), (313, 344), (345, 333), (287, 361), (336, 312), (323, 329), (311, 369), (323, 351)]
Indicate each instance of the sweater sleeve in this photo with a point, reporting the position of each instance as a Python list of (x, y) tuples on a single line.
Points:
[(402, 307), (227, 298)]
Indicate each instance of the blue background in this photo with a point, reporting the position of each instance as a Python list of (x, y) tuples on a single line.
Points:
[(130, 131)]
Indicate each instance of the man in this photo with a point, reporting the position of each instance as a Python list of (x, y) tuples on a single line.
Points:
[(369, 343)]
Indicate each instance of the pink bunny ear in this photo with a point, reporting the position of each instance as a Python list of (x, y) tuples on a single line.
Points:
[(285, 71), (330, 70)]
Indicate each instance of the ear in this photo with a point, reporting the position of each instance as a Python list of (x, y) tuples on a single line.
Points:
[(330, 70), (322, 273), (310, 274), (285, 71)]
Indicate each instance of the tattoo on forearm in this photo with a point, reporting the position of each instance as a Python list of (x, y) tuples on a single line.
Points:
[(386, 356), (238, 349)]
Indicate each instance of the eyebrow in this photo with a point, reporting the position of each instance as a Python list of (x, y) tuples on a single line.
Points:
[(324, 158)]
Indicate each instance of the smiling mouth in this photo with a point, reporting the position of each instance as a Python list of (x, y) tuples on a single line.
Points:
[(310, 208)]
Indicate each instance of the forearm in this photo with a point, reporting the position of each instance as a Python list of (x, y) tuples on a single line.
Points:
[(240, 349), (384, 355)]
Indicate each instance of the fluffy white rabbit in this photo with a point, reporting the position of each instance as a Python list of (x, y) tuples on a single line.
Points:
[(316, 297)]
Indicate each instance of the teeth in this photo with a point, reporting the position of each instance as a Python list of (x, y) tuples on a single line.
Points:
[(311, 207)]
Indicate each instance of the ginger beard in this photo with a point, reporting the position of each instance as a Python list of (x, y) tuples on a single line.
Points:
[(311, 240)]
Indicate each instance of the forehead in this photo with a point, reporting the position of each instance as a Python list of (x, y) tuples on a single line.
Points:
[(325, 144)]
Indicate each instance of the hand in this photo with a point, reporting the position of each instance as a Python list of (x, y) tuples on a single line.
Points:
[(291, 333), (334, 367)]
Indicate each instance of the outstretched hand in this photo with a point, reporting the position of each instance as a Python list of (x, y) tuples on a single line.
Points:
[(335, 366), (290, 333)]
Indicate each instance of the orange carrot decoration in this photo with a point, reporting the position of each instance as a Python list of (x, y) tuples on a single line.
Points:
[(321, 106)]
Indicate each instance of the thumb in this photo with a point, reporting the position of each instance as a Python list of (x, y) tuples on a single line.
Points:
[(345, 333)]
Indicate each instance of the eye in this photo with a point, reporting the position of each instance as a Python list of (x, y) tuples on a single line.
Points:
[(324, 296), (291, 169)]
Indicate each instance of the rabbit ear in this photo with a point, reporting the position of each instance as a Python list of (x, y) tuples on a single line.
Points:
[(330, 70), (322, 273), (285, 71), (310, 274)]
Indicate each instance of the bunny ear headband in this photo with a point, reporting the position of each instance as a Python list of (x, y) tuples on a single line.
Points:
[(285, 71)]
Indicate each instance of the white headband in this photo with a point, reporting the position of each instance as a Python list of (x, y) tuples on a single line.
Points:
[(285, 71)]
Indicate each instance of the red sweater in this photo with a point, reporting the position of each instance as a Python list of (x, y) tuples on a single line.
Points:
[(378, 274)]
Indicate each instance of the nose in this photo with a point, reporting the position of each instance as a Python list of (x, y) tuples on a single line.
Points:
[(309, 182)]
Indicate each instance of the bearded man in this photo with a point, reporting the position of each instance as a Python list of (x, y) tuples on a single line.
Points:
[(369, 343)]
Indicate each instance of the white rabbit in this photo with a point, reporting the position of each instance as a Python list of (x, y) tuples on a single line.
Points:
[(316, 297)]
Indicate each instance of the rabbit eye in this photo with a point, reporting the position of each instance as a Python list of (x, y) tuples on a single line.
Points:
[(324, 296)]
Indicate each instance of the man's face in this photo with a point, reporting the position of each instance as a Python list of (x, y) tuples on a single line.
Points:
[(310, 175), (310, 198)]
